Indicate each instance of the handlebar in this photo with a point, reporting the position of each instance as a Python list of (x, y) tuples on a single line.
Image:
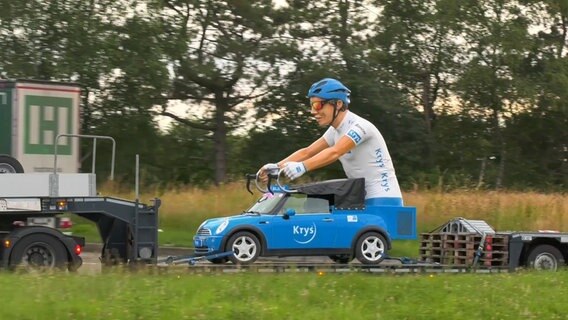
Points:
[(271, 177)]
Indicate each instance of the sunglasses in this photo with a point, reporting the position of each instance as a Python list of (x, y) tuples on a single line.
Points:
[(318, 105)]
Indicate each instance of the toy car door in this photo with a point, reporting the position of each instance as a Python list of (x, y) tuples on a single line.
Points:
[(309, 226)]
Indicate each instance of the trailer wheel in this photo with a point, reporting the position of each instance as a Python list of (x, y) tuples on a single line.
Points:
[(545, 257), (371, 248), (245, 246), (10, 165), (341, 258), (38, 252)]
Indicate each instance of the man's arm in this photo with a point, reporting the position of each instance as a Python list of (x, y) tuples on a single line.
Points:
[(329, 155), (306, 153)]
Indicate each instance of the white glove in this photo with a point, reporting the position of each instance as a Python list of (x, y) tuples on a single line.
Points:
[(269, 168), (294, 170)]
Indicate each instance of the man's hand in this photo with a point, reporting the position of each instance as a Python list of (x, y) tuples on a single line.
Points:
[(294, 170), (269, 168)]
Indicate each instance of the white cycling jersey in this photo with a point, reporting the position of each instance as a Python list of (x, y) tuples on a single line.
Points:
[(370, 159)]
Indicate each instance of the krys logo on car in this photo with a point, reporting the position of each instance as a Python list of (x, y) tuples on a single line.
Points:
[(304, 234)]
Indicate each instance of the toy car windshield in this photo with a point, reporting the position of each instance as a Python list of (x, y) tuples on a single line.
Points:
[(266, 203)]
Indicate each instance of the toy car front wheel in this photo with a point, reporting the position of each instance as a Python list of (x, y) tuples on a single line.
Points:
[(371, 248), (245, 246)]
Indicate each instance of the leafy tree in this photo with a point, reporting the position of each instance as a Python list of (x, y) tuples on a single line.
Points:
[(416, 44), (60, 40), (497, 38), (221, 54)]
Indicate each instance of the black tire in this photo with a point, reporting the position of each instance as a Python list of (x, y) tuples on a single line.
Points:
[(39, 252), (371, 248), (10, 165), (245, 246), (341, 258), (545, 257), (218, 260)]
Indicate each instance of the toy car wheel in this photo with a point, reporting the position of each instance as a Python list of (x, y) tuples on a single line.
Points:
[(245, 246), (341, 258), (371, 248)]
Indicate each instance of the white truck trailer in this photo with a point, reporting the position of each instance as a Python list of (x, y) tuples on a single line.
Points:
[(32, 114)]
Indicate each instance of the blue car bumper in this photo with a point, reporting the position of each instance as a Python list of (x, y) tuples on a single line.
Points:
[(205, 245)]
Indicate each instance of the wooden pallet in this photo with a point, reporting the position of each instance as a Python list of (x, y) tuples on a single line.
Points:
[(459, 249)]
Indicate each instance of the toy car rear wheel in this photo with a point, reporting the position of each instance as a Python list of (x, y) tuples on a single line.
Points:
[(341, 258), (371, 248), (245, 246)]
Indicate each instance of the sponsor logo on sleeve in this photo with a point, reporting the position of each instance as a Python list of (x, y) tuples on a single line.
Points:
[(354, 135)]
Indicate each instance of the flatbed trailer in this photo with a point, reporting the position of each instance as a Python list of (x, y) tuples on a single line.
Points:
[(128, 229), (462, 243)]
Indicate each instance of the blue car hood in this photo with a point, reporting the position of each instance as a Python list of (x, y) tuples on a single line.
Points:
[(214, 223)]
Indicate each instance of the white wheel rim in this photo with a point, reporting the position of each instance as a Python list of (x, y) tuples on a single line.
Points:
[(6, 168), (545, 261), (373, 248), (244, 248)]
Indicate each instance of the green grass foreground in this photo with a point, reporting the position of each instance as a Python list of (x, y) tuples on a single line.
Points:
[(284, 296)]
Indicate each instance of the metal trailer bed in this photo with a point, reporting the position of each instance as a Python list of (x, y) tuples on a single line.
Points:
[(128, 229)]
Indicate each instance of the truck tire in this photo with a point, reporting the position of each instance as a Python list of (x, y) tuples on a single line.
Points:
[(38, 252), (545, 257), (245, 246), (10, 165), (371, 248)]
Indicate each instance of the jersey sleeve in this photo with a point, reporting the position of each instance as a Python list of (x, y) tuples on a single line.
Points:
[(328, 136), (358, 132)]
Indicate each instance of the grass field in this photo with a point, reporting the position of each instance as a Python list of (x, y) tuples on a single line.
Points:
[(183, 210), (176, 294), (284, 296)]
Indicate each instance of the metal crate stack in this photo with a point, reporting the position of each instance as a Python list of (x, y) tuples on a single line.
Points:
[(456, 242)]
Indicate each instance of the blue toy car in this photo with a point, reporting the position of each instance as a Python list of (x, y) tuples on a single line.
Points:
[(326, 218)]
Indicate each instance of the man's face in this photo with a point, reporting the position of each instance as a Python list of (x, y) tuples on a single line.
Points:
[(322, 110)]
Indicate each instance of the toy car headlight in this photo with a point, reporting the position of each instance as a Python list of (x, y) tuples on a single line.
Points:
[(222, 227)]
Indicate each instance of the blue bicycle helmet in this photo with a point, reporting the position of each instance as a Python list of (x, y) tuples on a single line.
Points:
[(330, 89)]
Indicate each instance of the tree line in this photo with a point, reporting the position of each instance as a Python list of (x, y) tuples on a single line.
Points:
[(468, 94)]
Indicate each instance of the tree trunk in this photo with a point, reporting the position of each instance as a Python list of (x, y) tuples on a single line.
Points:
[(220, 139), (502, 152), (429, 117)]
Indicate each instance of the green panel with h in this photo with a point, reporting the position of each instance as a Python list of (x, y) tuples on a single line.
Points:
[(45, 118)]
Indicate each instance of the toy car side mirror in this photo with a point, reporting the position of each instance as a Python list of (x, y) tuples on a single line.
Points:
[(290, 212)]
